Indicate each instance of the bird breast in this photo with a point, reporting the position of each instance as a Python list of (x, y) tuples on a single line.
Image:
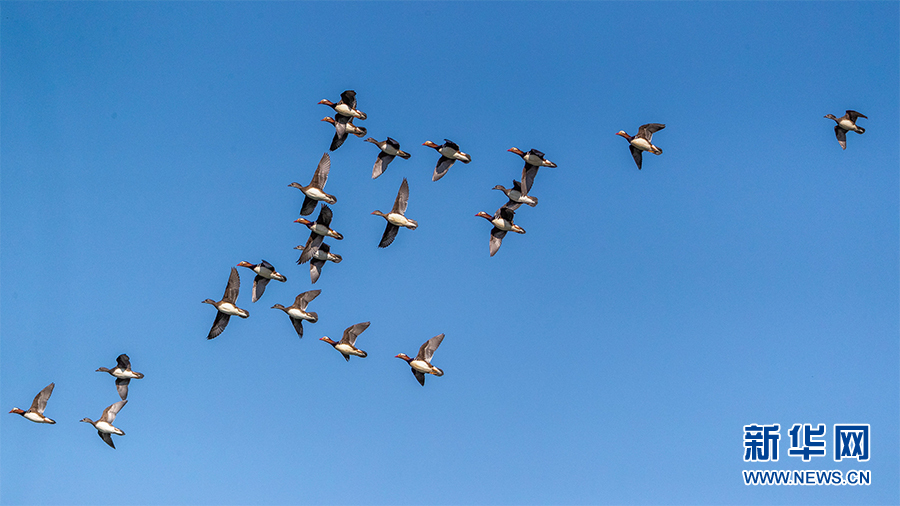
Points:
[(298, 314), (230, 309), (108, 428), (642, 144)]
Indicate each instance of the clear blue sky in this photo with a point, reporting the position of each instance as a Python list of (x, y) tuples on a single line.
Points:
[(612, 355)]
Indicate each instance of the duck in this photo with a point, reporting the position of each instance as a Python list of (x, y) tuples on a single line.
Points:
[(641, 141), (516, 195), (317, 231), (421, 365), (297, 311), (450, 153), (347, 105), (264, 272), (123, 374), (319, 257), (846, 123), (395, 218), (389, 149), (104, 425), (226, 307), (36, 412), (347, 344), (315, 192), (503, 223), (343, 125), (534, 160)]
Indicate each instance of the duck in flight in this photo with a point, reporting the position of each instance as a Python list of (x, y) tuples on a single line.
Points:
[(641, 142), (396, 218), (846, 123), (226, 307), (36, 412)]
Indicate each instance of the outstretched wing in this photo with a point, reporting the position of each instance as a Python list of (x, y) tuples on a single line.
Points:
[(233, 287), (315, 270), (320, 176), (420, 376), (497, 236), (109, 414), (123, 362), (853, 115), (402, 199), (348, 97), (40, 400), (305, 298), (636, 153), (105, 436), (443, 165), (841, 135), (218, 325), (647, 131), (390, 232), (428, 348), (381, 164), (298, 326), (325, 216), (122, 387), (259, 286), (353, 331)]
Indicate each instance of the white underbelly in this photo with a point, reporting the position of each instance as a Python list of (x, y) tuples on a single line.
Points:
[(421, 366), (642, 144), (229, 308), (346, 349), (316, 194), (34, 417), (106, 427)]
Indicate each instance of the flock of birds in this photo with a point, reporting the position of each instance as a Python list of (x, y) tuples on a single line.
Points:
[(317, 252)]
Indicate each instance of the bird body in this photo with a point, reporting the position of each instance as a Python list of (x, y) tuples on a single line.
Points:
[(846, 123), (641, 142), (297, 311), (226, 307), (347, 345), (123, 374), (503, 223), (315, 191), (396, 218), (318, 230), (450, 153), (421, 365), (104, 424), (346, 106), (36, 412), (390, 148), (264, 272)]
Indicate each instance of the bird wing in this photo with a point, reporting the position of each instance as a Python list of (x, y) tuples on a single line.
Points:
[(325, 216), (390, 232), (337, 140), (218, 325), (40, 400), (353, 331), (123, 362), (497, 236), (508, 211), (853, 115), (320, 176), (109, 414), (636, 153), (305, 298), (647, 131), (428, 348), (529, 172), (315, 270), (298, 326), (349, 97), (233, 287), (309, 205), (259, 286), (312, 244), (841, 135), (443, 165), (420, 376), (105, 436), (402, 199), (381, 164), (122, 387)]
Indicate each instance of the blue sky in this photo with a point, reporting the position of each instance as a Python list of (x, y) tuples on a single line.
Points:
[(611, 355)]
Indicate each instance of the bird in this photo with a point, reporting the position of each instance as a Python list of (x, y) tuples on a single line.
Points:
[(264, 272), (395, 218), (36, 412), (389, 149), (347, 344), (315, 191), (317, 231), (123, 374), (450, 153), (516, 194), (503, 223), (297, 311), (347, 105), (421, 365), (104, 425), (226, 307), (845, 124), (319, 257), (641, 141), (534, 160), (343, 125)]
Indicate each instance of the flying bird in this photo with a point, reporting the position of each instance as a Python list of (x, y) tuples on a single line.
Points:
[(297, 311), (534, 160), (641, 142), (389, 149), (226, 307), (395, 218), (315, 192), (319, 257), (342, 127), (123, 374), (264, 272), (317, 231), (846, 123), (346, 107), (347, 344), (104, 425), (36, 412), (450, 153), (421, 365), (503, 223)]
